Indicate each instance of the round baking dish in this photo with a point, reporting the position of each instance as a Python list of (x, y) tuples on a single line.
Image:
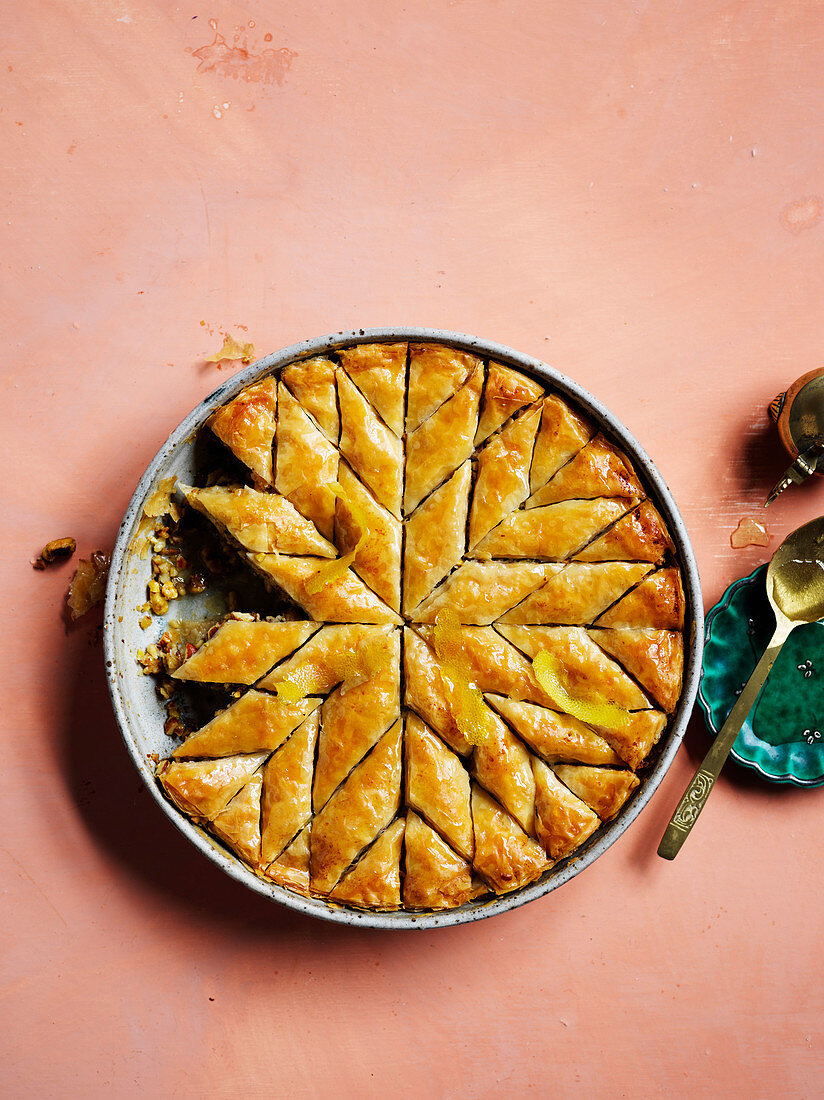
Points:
[(140, 714)]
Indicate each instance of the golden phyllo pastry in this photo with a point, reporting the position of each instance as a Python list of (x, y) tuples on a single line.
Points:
[(480, 636)]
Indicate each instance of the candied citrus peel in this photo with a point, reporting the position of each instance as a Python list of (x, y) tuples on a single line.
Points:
[(334, 570), (233, 351), (466, 703), (547, 669), (348, 668)]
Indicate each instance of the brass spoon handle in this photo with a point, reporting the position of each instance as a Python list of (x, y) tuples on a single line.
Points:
[(699, 787)]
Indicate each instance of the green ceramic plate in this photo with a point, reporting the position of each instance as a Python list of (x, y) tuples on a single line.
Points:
[(783, 736)]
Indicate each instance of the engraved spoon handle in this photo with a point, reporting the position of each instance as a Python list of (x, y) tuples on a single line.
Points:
[(699, 787)]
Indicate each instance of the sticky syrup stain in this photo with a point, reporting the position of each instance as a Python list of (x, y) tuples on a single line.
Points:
[(749, 532), (802, 214), (241, 60)]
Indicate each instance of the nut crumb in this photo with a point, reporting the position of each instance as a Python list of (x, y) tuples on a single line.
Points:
[(54, 551)]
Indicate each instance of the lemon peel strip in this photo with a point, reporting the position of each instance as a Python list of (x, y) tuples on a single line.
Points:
[(334, 570), (547, 669), (466, 702)]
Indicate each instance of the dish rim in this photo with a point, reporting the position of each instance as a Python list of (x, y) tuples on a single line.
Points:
[(662, 497)]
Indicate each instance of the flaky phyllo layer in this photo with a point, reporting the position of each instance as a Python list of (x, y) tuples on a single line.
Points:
[(489, 635)]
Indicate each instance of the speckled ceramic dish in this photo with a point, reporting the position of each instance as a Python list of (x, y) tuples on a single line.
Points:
[(140, 714), (783, 737)]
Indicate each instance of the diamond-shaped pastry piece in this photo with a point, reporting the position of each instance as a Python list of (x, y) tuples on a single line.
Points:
[(436, 372), (312, 383), (378, 561), (577, 593), (505, 857), (657, 602), (202, 788), (291, 869), (344, 599), (503, 474), (479, 592), (441, 443), (263, 522), (241, 651), (425, 692), (286, 801), (375, 880), (379, 372), (374, 452), (501, 764), (562, 821), (246, 425), (638, 536), (435, 537), (336, 653), (256, 722), (562, 434), (555, 737), (306, 463), (598, 470), (552, 533), (605, 790), (357, 812), (437, 786), (655, 658), (238, 824), (435, 876), (506, 392)]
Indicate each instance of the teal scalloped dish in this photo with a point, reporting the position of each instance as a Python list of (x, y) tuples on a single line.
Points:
[(782, 738)]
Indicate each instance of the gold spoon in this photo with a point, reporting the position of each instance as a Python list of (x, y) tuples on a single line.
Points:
[(795, 589)]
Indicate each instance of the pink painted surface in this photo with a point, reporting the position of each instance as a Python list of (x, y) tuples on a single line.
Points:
[(633, 193)]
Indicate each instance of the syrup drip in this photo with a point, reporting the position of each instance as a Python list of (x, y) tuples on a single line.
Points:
[(749, 532)]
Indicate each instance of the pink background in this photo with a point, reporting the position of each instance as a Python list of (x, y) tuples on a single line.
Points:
[(632, 192)]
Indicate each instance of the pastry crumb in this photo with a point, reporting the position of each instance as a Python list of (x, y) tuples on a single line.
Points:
[(88, 585)]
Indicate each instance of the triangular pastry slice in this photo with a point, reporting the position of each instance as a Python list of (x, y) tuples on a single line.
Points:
[(556, 737), (505, 392), (435, 537), (306, 463), (562, 434), (598, 470), (655, 658), (291, 869), (256, 722), (552, 533), (357, 812), (345, 599), (246, 425), (436, 372), (502, 765), (479, 592), (562, 821), (375, 880), (505, 857), (425, 692), (241, 651), (578, 593), (641, 535), (588, 672), (238, 825), (259, 521), (442, 443), (657, 602), (312, 382), (354, 718), (435, 876), (605, 790), (437, 785), (503, 474), (202, 788), (338, 653), (286, 803), (373, 450), (378, 561), (379, 372)]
